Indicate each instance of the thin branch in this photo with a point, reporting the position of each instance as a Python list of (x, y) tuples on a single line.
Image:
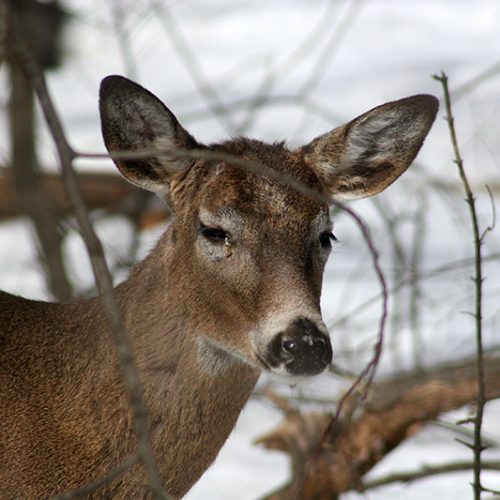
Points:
[(101, 272), (478, 280), (124, 43), (336, 38), (370, 369), (493, 222), (416, 259), (277, 73), (475, 81), (188, 57), (446, 268), (491, 490), (427, 471), (392, 222), (303, 101)]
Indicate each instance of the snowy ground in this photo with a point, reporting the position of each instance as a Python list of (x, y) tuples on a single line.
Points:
[(344, 58)]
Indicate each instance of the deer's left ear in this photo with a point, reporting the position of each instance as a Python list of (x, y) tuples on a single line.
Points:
[(366, 155)]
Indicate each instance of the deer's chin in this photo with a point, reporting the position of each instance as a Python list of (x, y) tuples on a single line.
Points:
[(285, 371), (292, 368)]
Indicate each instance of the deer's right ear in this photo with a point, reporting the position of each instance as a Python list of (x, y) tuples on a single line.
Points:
[(133, 119)]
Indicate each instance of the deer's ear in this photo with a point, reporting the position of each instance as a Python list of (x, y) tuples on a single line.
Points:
[(133, 119), (366, 155)]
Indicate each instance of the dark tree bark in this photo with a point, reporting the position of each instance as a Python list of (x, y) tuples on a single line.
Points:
[(40, 24), (101, 191), (33, 199)]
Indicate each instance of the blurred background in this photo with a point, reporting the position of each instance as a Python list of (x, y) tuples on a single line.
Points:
[(287, 69)]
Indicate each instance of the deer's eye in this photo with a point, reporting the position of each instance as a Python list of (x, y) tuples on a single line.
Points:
[(213, 234), (325, 239)]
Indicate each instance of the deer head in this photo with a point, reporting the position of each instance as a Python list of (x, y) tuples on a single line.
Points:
[(246, 252)]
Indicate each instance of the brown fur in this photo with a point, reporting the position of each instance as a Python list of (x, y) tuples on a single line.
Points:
[(199, 314), (63, 404)]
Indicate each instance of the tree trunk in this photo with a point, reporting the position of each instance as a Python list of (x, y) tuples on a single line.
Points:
[(34, 202)]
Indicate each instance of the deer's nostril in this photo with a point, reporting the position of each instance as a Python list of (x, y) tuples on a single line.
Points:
[(291, 346)]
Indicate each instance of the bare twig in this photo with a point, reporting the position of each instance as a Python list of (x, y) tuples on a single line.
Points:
[(392, 222), (335, 39), (101, 271), (478, 281), (415, 265), (299, 100), (188, 57), (326, 54), (475, 81), (124, 43), (493, 222), (278, 72), (426, 471), (437, 271)]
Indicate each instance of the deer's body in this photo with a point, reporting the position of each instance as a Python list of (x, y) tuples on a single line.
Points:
[(232, 287), (44, 437)]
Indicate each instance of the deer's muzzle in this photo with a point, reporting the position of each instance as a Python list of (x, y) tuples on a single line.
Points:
[(302, 349)]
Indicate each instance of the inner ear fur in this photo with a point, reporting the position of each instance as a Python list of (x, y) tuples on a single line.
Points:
[(133, 119), (366, 155)]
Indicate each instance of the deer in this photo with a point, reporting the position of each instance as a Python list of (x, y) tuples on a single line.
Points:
[(231, 289)]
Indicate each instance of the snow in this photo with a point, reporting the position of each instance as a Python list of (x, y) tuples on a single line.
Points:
[(385, 50)]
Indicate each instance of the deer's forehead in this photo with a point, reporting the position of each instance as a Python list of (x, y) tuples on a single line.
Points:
[(229, 185), (254, 196), (267, 210)]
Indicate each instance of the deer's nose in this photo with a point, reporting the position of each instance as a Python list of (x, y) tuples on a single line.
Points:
[(302, 348)]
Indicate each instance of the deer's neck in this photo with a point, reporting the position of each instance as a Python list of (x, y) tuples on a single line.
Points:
[(194, 391), (192, 414)]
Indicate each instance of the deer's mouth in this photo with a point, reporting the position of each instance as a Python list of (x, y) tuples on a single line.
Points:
[(263, 362)]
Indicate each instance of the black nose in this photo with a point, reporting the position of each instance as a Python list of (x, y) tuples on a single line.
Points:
[(302, 348)]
